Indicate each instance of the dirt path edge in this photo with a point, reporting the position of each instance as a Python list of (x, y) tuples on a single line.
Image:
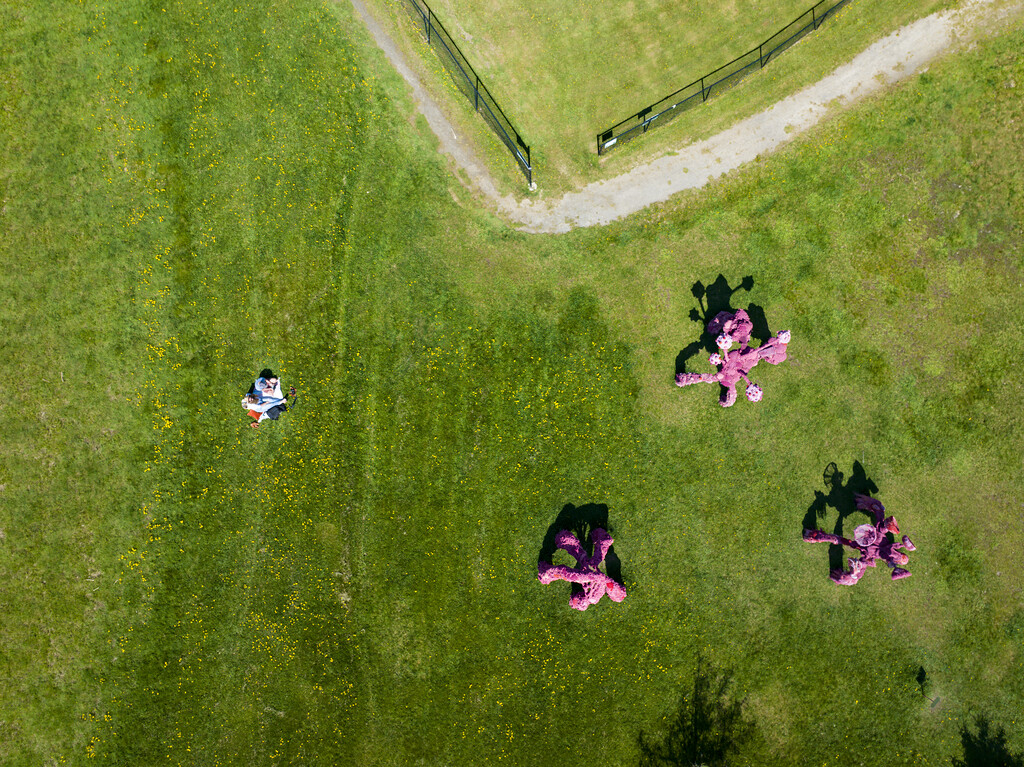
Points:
[(893, 58)]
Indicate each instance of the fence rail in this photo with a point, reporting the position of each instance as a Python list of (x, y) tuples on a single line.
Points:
[(468, 82), (719, 80)]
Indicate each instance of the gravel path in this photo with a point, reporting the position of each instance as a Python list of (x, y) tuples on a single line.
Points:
[(900, 55)]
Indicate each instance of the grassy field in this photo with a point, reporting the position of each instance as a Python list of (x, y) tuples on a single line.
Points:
[(191, 194), (598, 62), (565, 73)]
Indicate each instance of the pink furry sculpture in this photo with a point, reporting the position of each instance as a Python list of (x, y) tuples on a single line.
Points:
[(871, 542), (733, 365), (595, 583)]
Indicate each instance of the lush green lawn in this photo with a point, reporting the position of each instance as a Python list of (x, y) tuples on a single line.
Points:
[(565, 72), (191, 194), (601, 61)]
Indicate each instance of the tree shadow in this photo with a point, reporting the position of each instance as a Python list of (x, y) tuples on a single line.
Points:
[(841, 498), (707, 728), (712, 300), (986, 748), (581, 521)]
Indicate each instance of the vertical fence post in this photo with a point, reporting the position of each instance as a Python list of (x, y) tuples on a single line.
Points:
[(604, 140), (472, 78)]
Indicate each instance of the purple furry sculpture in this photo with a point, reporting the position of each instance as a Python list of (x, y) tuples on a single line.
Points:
[(733, 365), (872, 543), (595, 583)]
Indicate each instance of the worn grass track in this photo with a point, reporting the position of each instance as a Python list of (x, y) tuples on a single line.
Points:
[(563, 73)]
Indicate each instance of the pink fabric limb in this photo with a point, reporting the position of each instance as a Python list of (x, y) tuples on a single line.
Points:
[(548, 573), (730, 375), (773, 351), (586, 573), (893, 557), (616, 591), (736, 325), (844, 578), (871, 541), (870, 505), (602, 542), (717, 324), (820, 536), (685, 379), (851, 576), (590, 595), (598, 585), (747, 360), (567, 541), (735, 365)]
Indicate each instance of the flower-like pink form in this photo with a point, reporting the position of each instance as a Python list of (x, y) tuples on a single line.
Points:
[(871, 542), (586, 573), (735, 365), (754, 393)]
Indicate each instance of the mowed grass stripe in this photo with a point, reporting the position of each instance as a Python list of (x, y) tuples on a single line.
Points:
[(214, 644)]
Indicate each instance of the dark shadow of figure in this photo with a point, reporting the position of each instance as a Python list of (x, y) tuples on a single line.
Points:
[(987, 748), (714, 299), (581, 521), (841, 498), (925, 686), (707, 728)]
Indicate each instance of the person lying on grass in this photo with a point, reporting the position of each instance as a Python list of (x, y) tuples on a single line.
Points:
[(265, 400)]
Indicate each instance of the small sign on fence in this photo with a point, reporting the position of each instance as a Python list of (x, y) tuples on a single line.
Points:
[(468, 81), (719, 80)]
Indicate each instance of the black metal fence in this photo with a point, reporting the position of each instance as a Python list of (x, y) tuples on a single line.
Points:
[(468, 81), (718, 81)]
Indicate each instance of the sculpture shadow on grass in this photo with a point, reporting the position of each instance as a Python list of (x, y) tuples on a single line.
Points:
[(714, 299), (986, 747), (708, 727), (842, 499), (581, 521)]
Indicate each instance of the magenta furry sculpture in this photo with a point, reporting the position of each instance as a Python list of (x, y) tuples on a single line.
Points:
[(733, 365), (871, 542), (595, 583)]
